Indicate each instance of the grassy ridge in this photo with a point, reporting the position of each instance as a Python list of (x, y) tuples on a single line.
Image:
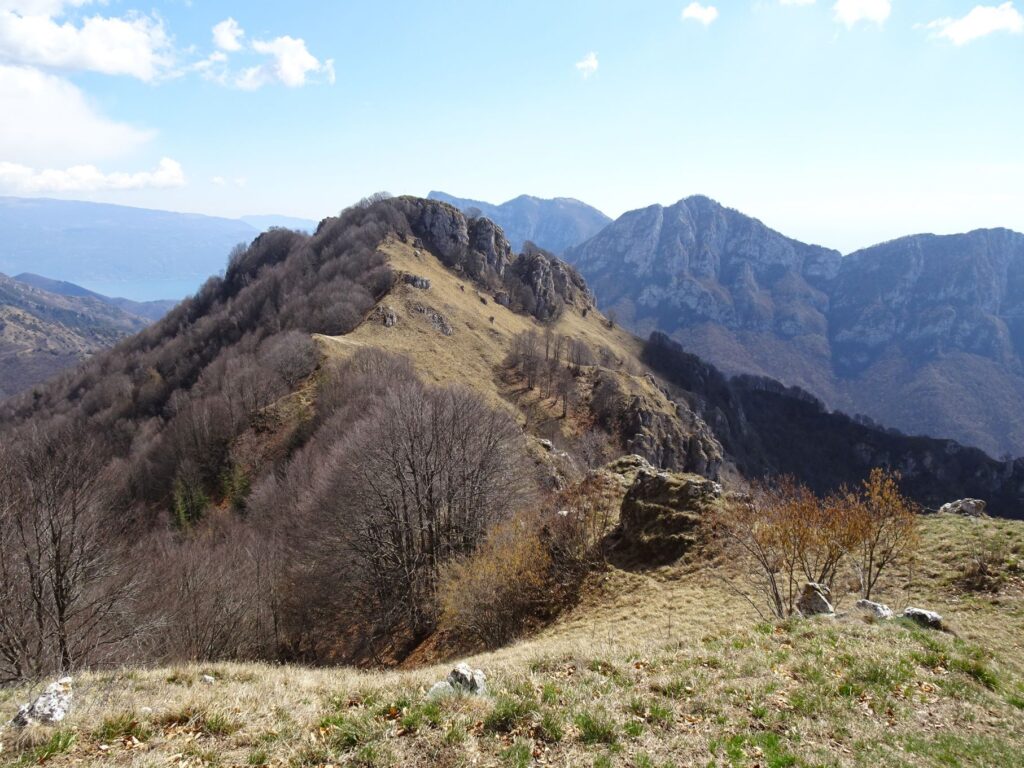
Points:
[(657, 669)]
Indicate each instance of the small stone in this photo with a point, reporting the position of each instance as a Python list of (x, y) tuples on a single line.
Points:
[(878, 610), (547, 445), (208, 679), (814, 600), (928, 619)]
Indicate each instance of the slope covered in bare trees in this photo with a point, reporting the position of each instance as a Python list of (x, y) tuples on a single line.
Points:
[(296, 463)]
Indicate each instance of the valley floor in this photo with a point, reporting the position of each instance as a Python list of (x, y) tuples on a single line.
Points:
[(662, 668)]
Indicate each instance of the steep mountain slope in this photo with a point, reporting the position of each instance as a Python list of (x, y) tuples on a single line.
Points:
[(42, 333), (921, 334), (148, 310), (927, 334), (554, 225), (115, 250)]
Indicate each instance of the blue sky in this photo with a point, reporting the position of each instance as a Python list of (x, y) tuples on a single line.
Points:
[(844, 122)]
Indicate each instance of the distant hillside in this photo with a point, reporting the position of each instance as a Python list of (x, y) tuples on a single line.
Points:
[(554, 225), (42, 333), (148, 310), (924, 334), (116, 250)]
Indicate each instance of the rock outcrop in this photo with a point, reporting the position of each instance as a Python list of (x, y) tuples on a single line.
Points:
[(534, 282), (661, 515), (554, 225), (668, 434)]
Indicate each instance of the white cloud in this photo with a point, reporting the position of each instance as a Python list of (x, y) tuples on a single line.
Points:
[(849, 12), (56, 123), (587, 65), (705, 14), (134, 45), (228, 35), (220, 181), (22, 179), (982, 20), (796, 2), (40, 7), (291, 64)]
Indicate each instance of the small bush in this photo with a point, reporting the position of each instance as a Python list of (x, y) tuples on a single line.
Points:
[(493, 595)]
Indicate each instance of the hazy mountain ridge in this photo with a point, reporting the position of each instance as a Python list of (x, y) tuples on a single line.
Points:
[(117, 250), (554, 224), (149, 310), (923, 333), (42, 333)]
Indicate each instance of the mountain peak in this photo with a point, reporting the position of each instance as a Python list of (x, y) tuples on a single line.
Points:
[(553, 224)]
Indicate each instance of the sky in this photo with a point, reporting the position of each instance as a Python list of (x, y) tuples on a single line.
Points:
[(840, 122)]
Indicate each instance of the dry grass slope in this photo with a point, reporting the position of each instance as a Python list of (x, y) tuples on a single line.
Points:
[(663, 668)]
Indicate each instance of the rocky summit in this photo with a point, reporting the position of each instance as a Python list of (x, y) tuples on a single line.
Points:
[(924, 334)]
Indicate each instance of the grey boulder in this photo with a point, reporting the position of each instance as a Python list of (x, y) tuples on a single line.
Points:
[(878, 610), (50, 707), (814, 600), (968, 507), (928, 619), (462, 679)]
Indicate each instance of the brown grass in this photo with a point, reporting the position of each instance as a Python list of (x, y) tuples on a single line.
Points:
[(658, 668)]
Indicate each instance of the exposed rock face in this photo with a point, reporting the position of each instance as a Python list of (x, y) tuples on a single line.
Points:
[(814, 600), (386, 314), (661, 513), (666, 434), (550, 284), (968, 507), (928, 294), (554, 225), (924, 333), (439, 321), (417, 282), (51, 707), (698, 262), (535, 282), (878, 610), (927, 619)]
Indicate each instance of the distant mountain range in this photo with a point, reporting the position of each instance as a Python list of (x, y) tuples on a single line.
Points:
[(925, 333), (117, 250), (554, 225), (48, 325)]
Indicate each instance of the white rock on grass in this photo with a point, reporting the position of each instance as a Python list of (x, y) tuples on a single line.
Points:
[(878, 610), (462, 679), (968, 507), (928, 619), (50, 707)]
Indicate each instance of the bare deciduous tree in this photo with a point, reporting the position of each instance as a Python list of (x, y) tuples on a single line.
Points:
[(62, 571)]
